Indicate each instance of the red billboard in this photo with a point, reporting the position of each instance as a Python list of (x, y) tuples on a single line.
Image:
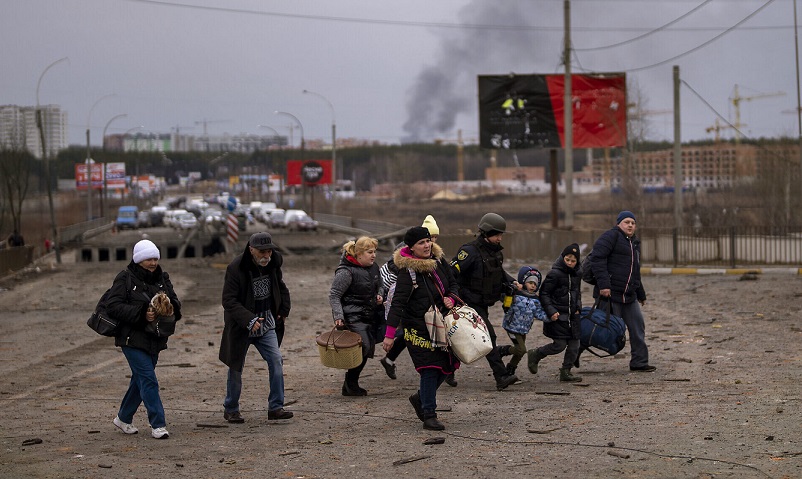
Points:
[(526, 111), (80, 176), (309, 172)]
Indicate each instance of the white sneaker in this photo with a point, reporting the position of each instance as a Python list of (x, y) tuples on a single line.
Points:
[(160, 433), (124, 426)]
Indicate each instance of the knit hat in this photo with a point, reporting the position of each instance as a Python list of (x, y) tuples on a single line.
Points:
[(430, 224), (415, 234), (528, 274), (261, 241), (573, 249), (623, 215), (145, 249)]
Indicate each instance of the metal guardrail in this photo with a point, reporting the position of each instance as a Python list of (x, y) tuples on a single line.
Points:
[(73, 233), (728, 247)]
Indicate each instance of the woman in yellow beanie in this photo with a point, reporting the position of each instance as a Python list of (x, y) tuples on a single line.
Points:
[(430, 224)]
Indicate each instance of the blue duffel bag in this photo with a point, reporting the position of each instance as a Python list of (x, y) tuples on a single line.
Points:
[(602, 330)]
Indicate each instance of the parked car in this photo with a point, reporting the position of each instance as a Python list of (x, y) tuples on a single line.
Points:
[(171, 215), (185, 221), (302, 222), (276, 219), (290, 215), (213, 215), (143, 219)]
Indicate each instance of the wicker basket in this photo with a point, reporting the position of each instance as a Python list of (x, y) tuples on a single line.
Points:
[(340, 349)]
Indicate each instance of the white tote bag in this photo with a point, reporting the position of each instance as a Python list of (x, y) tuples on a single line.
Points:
[(467, 334)]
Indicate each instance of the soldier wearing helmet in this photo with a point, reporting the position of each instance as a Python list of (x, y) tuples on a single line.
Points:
[(481, 278)]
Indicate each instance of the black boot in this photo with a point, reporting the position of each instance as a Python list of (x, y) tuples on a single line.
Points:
[(566, 376), (353, 390), (533, 357), (511, 369), (432, 423), (504, 350), (506, 380)]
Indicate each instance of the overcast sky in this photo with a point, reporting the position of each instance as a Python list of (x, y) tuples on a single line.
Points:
[(392, 70)]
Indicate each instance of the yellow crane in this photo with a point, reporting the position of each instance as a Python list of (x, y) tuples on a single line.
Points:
[(736, 100), (717, 127), (460, 150)]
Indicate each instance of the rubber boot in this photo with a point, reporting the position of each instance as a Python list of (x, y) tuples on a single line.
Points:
[(533, 357), (566, 376)]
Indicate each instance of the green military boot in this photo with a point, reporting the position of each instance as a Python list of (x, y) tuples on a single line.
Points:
[(533, 357), (566, 376)]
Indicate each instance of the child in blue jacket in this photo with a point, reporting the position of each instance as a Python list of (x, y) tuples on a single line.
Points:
[(522, 313)]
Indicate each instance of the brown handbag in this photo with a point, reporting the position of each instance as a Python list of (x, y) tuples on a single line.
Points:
[(340, 349)]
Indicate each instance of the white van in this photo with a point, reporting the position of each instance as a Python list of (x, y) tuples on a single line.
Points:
[(291, 215)]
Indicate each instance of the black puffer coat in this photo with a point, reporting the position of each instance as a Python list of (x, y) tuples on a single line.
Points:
[(560, 293), (616, 266), (131, 306), (411, 301)]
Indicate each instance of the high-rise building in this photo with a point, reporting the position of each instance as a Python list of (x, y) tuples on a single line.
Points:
[(18, 127)]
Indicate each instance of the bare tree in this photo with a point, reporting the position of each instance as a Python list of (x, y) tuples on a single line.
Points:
[(15, 172)]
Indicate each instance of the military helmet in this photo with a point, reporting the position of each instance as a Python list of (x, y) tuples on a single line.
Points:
[(492, 222)]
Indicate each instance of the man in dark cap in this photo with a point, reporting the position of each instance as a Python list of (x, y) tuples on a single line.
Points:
[(256, 301), (481, 279), (616, 266)]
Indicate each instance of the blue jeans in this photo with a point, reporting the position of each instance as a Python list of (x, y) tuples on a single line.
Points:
[(144, 387), (267, 346), (633, 318), (430, 381)]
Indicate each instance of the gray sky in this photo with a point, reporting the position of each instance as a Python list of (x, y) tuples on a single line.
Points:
[(392, 70)]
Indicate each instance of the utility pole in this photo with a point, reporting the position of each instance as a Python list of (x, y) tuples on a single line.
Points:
[(798, 99), (569, 121), (46, 158), (677, 154)]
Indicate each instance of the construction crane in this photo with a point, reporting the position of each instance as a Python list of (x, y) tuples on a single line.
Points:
[(205, 122), (460, 152), (717, 127), (736, 100)]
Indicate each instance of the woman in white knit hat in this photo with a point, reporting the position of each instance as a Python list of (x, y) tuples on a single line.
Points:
[(146, 323)]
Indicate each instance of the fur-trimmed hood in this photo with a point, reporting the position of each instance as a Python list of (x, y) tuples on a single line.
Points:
[(404, 259)]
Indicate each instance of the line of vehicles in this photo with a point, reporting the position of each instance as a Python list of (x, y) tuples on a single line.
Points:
[(188, 213)]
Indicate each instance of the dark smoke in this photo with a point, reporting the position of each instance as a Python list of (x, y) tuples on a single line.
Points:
[(448, 87)]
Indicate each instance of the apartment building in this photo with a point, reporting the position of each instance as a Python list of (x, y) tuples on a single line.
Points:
[(18, 127)]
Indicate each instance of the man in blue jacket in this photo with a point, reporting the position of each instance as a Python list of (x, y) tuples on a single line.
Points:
[(616, 266)]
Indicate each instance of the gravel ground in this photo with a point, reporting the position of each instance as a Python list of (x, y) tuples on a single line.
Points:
[(724, 401)]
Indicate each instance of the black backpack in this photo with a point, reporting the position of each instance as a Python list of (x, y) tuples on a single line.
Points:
[(586, 270)]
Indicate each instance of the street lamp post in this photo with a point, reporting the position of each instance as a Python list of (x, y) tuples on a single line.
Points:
[(278, 139), (89, 160), (333, 149), (104, 193), (122, 115), (300, 127), (46, 158)]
